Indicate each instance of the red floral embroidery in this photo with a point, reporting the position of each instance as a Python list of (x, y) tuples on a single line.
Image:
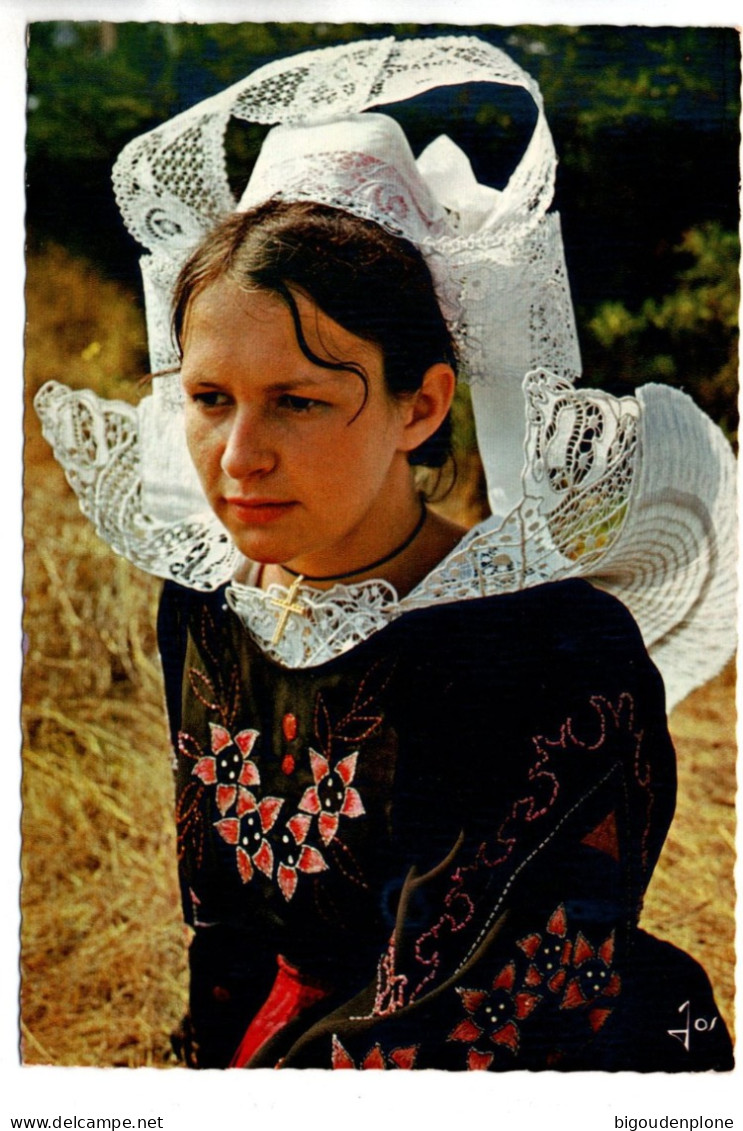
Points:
[(245, 830), (403, 1057), (579, 971), (572, 973), (224, 775), (332, 796), (479, 1061), (229, 765), (296, 855), (493, 1013)]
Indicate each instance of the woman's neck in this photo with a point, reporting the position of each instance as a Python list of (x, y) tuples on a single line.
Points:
[(435, 538)]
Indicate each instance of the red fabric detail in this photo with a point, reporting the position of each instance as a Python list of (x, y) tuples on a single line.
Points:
[(567, 950), (263, 859), (299, 826), (530, 945), (583, 950), (597, 1017), (558, 923), (352, 805), (479, 1061), (291, 994), (605, 837), (557, 981), (228, 829), (525, 1004), (573, 996), (244, 866), (533, 977), (606, 950), (245, 741), (206, 770), (246, 803), (310, 801), (220, 737), (226, 795), (320, 766), (508, 1035), (339, 1058), (404, 1057), (327, 824), (465, 1031), (287, 764), (614, 987), (472, 999), (310, 860), (346, 768), (506, 979), (373, 1059), (249, 774), (289, 726), (268, 811), (287, 878)]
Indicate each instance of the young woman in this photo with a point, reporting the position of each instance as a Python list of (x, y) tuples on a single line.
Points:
[(423, 775)]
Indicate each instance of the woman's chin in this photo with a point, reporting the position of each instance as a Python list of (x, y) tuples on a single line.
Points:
[(263, 544)]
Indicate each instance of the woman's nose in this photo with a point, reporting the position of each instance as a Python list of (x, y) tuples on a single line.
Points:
[(247, 450)]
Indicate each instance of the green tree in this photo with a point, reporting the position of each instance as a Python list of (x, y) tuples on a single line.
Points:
[(687, 338)]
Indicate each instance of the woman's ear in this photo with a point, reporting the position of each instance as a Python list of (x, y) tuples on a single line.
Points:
[(427, 407)]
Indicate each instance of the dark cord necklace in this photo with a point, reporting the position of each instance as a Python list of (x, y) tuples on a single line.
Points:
[(372, 565)]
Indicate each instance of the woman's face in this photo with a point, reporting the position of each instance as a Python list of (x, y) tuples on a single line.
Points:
[(295, 472)]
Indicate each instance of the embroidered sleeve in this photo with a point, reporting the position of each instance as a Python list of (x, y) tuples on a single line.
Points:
[(521, 949)]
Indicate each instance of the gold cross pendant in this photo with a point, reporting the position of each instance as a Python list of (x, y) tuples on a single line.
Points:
[(287, 607)]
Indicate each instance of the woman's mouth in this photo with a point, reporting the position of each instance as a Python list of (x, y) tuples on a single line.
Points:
[(257, 511)]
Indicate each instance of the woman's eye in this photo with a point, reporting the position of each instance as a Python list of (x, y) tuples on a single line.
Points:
[(298, 404), (210, 398)]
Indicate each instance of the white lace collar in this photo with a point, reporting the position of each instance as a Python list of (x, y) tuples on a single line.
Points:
[(593, 505), (300, 626)]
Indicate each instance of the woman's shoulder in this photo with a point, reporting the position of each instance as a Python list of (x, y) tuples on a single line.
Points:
[(571, 609), (554, 642)]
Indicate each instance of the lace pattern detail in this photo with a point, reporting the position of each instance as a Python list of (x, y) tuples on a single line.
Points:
[(97, 444), (334, 620), (496, 257), (374, 190), (171, 184)]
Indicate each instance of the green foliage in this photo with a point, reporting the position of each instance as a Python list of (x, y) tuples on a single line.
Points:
[(601, 77), (688, 337)]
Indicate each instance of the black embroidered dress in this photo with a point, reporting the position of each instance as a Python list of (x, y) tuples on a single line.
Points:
[(435, 846)]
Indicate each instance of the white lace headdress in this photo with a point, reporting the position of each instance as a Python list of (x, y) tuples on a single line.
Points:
[(579, 483)]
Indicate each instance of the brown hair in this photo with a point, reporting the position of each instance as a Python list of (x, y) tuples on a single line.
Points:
[(373, 284)]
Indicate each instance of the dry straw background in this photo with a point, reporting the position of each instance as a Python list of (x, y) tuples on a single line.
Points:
[(103, 946)]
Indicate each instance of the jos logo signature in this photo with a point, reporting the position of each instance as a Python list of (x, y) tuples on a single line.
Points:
[(698, 1025)]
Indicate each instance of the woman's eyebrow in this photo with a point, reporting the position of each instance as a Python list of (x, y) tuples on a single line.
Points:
[(328, 377)]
